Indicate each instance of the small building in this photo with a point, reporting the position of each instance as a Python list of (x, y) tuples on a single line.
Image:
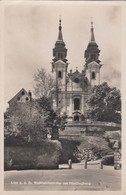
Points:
[(21, 96)]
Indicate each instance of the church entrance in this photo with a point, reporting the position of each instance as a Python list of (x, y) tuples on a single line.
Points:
[(76, 104), (76, 118)]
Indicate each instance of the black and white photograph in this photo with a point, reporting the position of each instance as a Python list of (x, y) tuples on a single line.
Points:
[(62, 97)]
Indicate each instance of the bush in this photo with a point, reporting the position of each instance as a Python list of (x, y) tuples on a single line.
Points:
[(77, 148), (108, 160), (43, 156)]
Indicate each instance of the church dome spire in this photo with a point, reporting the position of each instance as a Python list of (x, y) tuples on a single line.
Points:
[(92, 33), (60, 36), (92, 51), (60, 51)]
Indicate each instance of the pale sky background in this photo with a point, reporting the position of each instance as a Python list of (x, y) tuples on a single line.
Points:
[(30, 32)]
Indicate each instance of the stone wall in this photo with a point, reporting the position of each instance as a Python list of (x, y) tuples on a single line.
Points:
[(89, 128)]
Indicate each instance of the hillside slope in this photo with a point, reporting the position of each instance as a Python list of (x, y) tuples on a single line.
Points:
[(77, 148)]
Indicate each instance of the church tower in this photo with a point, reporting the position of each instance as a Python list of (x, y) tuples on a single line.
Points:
[(92, 65), (59, 64), (59, 69)]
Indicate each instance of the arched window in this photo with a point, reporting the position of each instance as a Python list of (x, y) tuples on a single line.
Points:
[(76, 104), (59, 74), (76, 118), (93, 75), (60, 55), (76, 80), (93, 56)]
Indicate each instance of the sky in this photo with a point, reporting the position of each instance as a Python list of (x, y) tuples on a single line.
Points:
[(30, 32)]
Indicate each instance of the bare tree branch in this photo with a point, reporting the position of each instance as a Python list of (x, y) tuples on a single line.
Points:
[(44, 83)]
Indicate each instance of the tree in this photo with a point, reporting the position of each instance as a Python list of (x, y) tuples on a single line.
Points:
[(25, 121), (104, 104), (31, 121), (54, 123), (44, 83), (53, 120)]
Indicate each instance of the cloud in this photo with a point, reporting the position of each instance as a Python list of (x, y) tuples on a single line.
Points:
[(114, 14), (112, 76)]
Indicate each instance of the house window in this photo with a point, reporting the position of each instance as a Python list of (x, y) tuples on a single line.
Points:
[(76, 104), (76, 118), (59, 74), (26, 98), (93, 75), (23, 93), (18, 98)]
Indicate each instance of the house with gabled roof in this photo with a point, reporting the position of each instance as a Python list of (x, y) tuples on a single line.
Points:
[(21, 96)]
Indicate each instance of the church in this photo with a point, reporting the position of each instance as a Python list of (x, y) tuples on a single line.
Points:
[(74, 88)]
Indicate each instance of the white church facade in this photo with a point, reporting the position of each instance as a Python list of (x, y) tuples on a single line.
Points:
[(74, 88)]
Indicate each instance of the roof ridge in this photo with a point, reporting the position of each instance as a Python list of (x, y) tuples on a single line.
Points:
[(17, 94)]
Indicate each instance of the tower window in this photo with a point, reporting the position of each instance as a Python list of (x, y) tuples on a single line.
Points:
[(26, 98), (60, 55), (59, 74), (76, 104), (93, 56), (93, 75)]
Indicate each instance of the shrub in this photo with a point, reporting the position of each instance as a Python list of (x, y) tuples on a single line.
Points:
[(43, 156), (108, 160)]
